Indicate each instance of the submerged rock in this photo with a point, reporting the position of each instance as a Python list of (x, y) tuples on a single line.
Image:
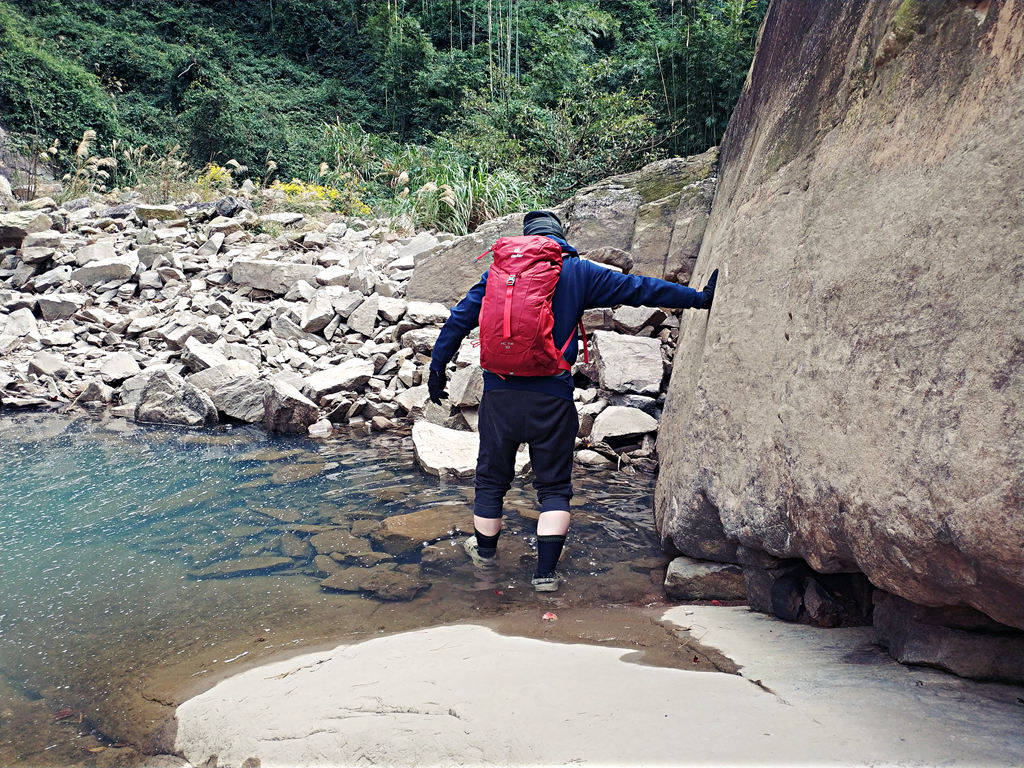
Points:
[(402, 534), (383, 582), (243, 566)]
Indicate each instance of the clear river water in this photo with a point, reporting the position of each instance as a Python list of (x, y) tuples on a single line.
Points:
[(106, 621)]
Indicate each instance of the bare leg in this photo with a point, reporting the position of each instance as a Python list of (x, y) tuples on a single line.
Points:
[(488, 526), (552, 523)]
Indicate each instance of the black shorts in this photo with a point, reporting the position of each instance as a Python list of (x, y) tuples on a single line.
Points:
[(547, 424)]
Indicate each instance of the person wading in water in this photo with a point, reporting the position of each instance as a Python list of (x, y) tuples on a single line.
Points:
[(528, 306)]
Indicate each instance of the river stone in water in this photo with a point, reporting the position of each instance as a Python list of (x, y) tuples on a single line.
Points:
[(243, 566), (402, 534), (169, 399), (443, 451), (383, 582)]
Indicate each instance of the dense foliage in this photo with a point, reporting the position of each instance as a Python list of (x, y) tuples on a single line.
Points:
[(553, 93)]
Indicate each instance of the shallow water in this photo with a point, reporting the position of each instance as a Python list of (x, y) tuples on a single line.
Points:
[(105, 525)]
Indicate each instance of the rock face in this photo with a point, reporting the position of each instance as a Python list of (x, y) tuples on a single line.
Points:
[(853, 399)]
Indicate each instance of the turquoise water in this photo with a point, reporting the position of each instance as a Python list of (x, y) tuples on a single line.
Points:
[(105, 524)]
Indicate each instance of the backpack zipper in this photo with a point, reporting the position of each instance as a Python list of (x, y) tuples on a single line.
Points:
[(506, 327)]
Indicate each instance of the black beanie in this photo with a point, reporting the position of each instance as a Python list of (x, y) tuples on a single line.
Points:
[(542, 223)]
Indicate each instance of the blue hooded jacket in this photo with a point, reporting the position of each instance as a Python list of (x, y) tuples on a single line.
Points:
[(582, 285)]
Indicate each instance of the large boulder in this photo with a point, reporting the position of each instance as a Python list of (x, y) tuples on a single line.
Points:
[(446, 272), (274, 276), (169, 399), (853, 399), (655, 217)]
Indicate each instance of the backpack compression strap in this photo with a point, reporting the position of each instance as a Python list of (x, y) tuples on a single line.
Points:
[(563, 364)]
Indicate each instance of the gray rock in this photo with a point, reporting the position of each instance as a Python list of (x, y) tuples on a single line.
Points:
[(117, 367), (287, 410), (21, 322), (318, 313), (349, 375), (159, 212), (95, 392), (391, 309), (169, 399), (958, 640), (845, 402), (343, 300), (48, 238), (466, 387), (635, 319), (443, 451), (49, 364), (60, 306), (119, 268), (689, 579), (593, 458), (427, 313), (51, 278), (627, 363), (420, 339), (198, 356), (102, 251), (382, 582), (243, 566), (283, 218), (413, 399), (364, 319), (15, 227), (274, 276), (445, 273), (619, 422), (610, 256), (212, 245), (235, 388)]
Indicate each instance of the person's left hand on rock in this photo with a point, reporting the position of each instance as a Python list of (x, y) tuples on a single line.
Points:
[(709, 291)]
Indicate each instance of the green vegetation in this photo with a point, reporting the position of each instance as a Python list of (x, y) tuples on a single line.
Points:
[(448, 111)]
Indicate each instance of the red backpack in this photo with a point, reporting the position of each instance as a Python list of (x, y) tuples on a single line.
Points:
[(515, 317)]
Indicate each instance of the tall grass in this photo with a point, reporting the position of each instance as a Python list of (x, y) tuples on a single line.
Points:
[(425, 186)]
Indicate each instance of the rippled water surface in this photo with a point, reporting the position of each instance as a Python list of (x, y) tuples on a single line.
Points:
[(107, 528)]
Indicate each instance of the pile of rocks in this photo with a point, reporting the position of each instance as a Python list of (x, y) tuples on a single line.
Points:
[(190, 315), (195, 314)]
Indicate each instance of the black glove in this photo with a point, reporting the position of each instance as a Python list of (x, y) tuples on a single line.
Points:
[(709, 291), (436, 383)]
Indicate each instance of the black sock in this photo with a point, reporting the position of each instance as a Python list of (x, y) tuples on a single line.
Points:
[(549, 549), (487, 546)]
